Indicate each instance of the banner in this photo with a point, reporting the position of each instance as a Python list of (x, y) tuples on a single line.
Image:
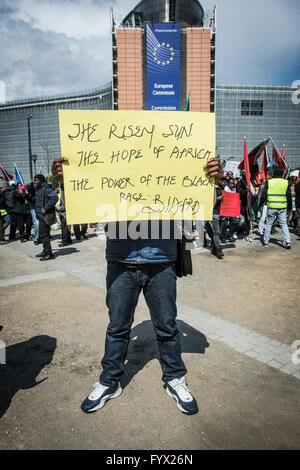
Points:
[(163, 67), (137, 165), (233, 167), (230, 205)]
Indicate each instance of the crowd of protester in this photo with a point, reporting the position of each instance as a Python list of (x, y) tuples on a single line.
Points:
[(22, 214), (255, 217), (22, 211)]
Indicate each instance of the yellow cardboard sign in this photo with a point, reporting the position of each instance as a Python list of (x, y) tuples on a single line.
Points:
[(137, 165)]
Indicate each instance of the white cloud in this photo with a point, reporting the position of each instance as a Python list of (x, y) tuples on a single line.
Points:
[(77, 19), (55, 46), (73, 19), (255, 39)]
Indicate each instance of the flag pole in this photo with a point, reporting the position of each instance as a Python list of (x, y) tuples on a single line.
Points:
[(248, 180), (286, 166), (187, 104)]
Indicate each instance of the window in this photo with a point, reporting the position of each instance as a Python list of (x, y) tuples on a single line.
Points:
[(252, 108), (172, 7)]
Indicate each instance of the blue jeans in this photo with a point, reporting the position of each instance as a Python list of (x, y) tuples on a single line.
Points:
[(6, 219), (214, 231), (280, 214), (124, 284), (233, 226), (35, 224)]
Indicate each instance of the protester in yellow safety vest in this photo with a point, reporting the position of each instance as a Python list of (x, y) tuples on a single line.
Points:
[(277, 196)]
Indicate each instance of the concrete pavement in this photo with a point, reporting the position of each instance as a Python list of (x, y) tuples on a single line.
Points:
[(238, 320)]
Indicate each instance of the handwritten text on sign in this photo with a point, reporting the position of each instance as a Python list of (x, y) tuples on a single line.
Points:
[(126, 165), (230, 205)]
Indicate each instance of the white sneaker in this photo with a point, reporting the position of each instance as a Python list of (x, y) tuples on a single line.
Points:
[(234, 236), (248, 239), (99, 397), (178, 390)]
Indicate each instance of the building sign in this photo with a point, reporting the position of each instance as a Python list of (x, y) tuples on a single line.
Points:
[(163, 67)]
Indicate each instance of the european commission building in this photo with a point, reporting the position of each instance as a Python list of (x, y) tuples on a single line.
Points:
[(29, 129)]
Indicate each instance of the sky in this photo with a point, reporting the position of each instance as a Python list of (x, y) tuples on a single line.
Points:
[(50, 47)]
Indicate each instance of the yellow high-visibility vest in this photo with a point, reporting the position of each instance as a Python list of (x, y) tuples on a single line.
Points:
[(277, 188)]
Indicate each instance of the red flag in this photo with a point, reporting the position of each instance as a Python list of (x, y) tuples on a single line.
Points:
[(254, 155), (246, 163), (264, 166), (279, 161), (283, 153), (6, 176), (247, 174)]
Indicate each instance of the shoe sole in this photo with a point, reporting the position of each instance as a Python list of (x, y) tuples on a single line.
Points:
[(178, 404), (116, 394)]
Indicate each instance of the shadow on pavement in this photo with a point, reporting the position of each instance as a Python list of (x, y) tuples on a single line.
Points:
[(64, 251), (274, 241), (24, 362), (143, 347)]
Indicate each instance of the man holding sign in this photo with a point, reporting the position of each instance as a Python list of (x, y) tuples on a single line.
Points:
[(135, 264)]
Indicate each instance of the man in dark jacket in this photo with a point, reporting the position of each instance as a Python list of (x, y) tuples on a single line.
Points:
[(45, 200), (133, 265)]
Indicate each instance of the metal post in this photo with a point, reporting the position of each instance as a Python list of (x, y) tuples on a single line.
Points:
[(29, 145), (112, 32), (34, 159)]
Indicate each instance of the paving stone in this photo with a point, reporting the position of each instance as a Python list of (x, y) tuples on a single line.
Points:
[(284, 358), (253, 354), (290, 368), (265, 358), (275, 364)]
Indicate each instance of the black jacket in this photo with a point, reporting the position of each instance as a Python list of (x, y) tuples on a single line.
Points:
[(45, 198), (8, 197), (297, 192), (19, 203), (241, 188), (30, 196), (217, 205)]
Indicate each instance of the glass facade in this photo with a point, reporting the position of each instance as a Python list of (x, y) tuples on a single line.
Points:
[(257, 112), (280, 119), (189, 12), (31, 127)]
